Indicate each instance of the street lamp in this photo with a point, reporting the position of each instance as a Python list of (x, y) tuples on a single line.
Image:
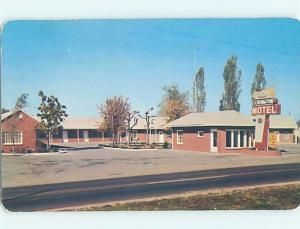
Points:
[(147, 118)]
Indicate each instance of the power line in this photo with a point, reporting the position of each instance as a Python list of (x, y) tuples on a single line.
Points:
[(209, 39)]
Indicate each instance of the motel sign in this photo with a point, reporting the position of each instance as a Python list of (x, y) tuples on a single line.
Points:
[(266, 109), (264, 105)]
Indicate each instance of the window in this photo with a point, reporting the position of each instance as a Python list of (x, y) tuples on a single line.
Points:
[(247, 138), (239, 138), (57, 134), (81, 134), (12, 138), (242, 135), (72, 133), (108, 134), (93, 134), (179, 136), (228, 138), (215, 138), (200, 134), (235, 138), (40, 134)]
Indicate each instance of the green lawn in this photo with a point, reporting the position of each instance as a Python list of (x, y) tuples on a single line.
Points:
[(268, 198)]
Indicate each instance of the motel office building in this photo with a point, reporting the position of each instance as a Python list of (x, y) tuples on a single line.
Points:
[(225, 131), (213, 132)]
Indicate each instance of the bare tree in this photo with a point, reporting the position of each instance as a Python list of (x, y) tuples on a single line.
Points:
[(114, 113), (130, 122)]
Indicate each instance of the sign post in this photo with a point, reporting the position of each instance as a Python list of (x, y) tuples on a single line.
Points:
[(264, 105)]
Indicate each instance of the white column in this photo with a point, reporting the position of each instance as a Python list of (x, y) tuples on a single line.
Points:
[(239, 138), (172, 139)]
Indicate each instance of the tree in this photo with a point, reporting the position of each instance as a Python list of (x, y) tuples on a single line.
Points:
[(52, 113), (114, 113), (3, 110), (199, 94), (232, 84), (174, 103), (259, 82), (130, 122), (21, 103)]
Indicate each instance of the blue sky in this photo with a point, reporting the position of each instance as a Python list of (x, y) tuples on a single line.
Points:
[(83, 62)]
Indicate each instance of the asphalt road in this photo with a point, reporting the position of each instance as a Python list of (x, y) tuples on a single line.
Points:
[(43, 197)]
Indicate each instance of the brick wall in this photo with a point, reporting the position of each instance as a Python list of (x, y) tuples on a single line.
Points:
[(287, 138), (191, 141)]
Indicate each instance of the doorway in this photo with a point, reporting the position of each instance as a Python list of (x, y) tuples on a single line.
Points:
[(86, 136), (161, 136), (214, 140)]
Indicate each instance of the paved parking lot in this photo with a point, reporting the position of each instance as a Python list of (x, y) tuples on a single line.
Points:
[(110, 163)]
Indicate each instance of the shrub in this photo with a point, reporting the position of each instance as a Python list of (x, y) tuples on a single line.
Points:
[(167, 145)]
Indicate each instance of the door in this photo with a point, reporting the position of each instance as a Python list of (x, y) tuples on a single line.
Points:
[(214, 140), (278, 136), (65, 136), (86, 136), (161, 137)]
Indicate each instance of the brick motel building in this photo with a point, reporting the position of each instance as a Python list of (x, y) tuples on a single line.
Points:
[(225, 131), (222, 131), (18, 132), (26, 137), (76, 130)]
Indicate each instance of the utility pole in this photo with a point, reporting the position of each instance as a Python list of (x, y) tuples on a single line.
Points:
[(147, 118)]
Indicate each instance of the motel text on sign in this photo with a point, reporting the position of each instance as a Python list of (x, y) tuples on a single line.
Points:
[(266, 109)]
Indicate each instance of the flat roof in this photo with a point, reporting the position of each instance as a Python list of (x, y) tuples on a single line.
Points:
[(282, 122)]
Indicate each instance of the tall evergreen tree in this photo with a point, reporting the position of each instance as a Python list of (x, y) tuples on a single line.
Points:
[(259, 82), (199, 94), (232, 85)]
